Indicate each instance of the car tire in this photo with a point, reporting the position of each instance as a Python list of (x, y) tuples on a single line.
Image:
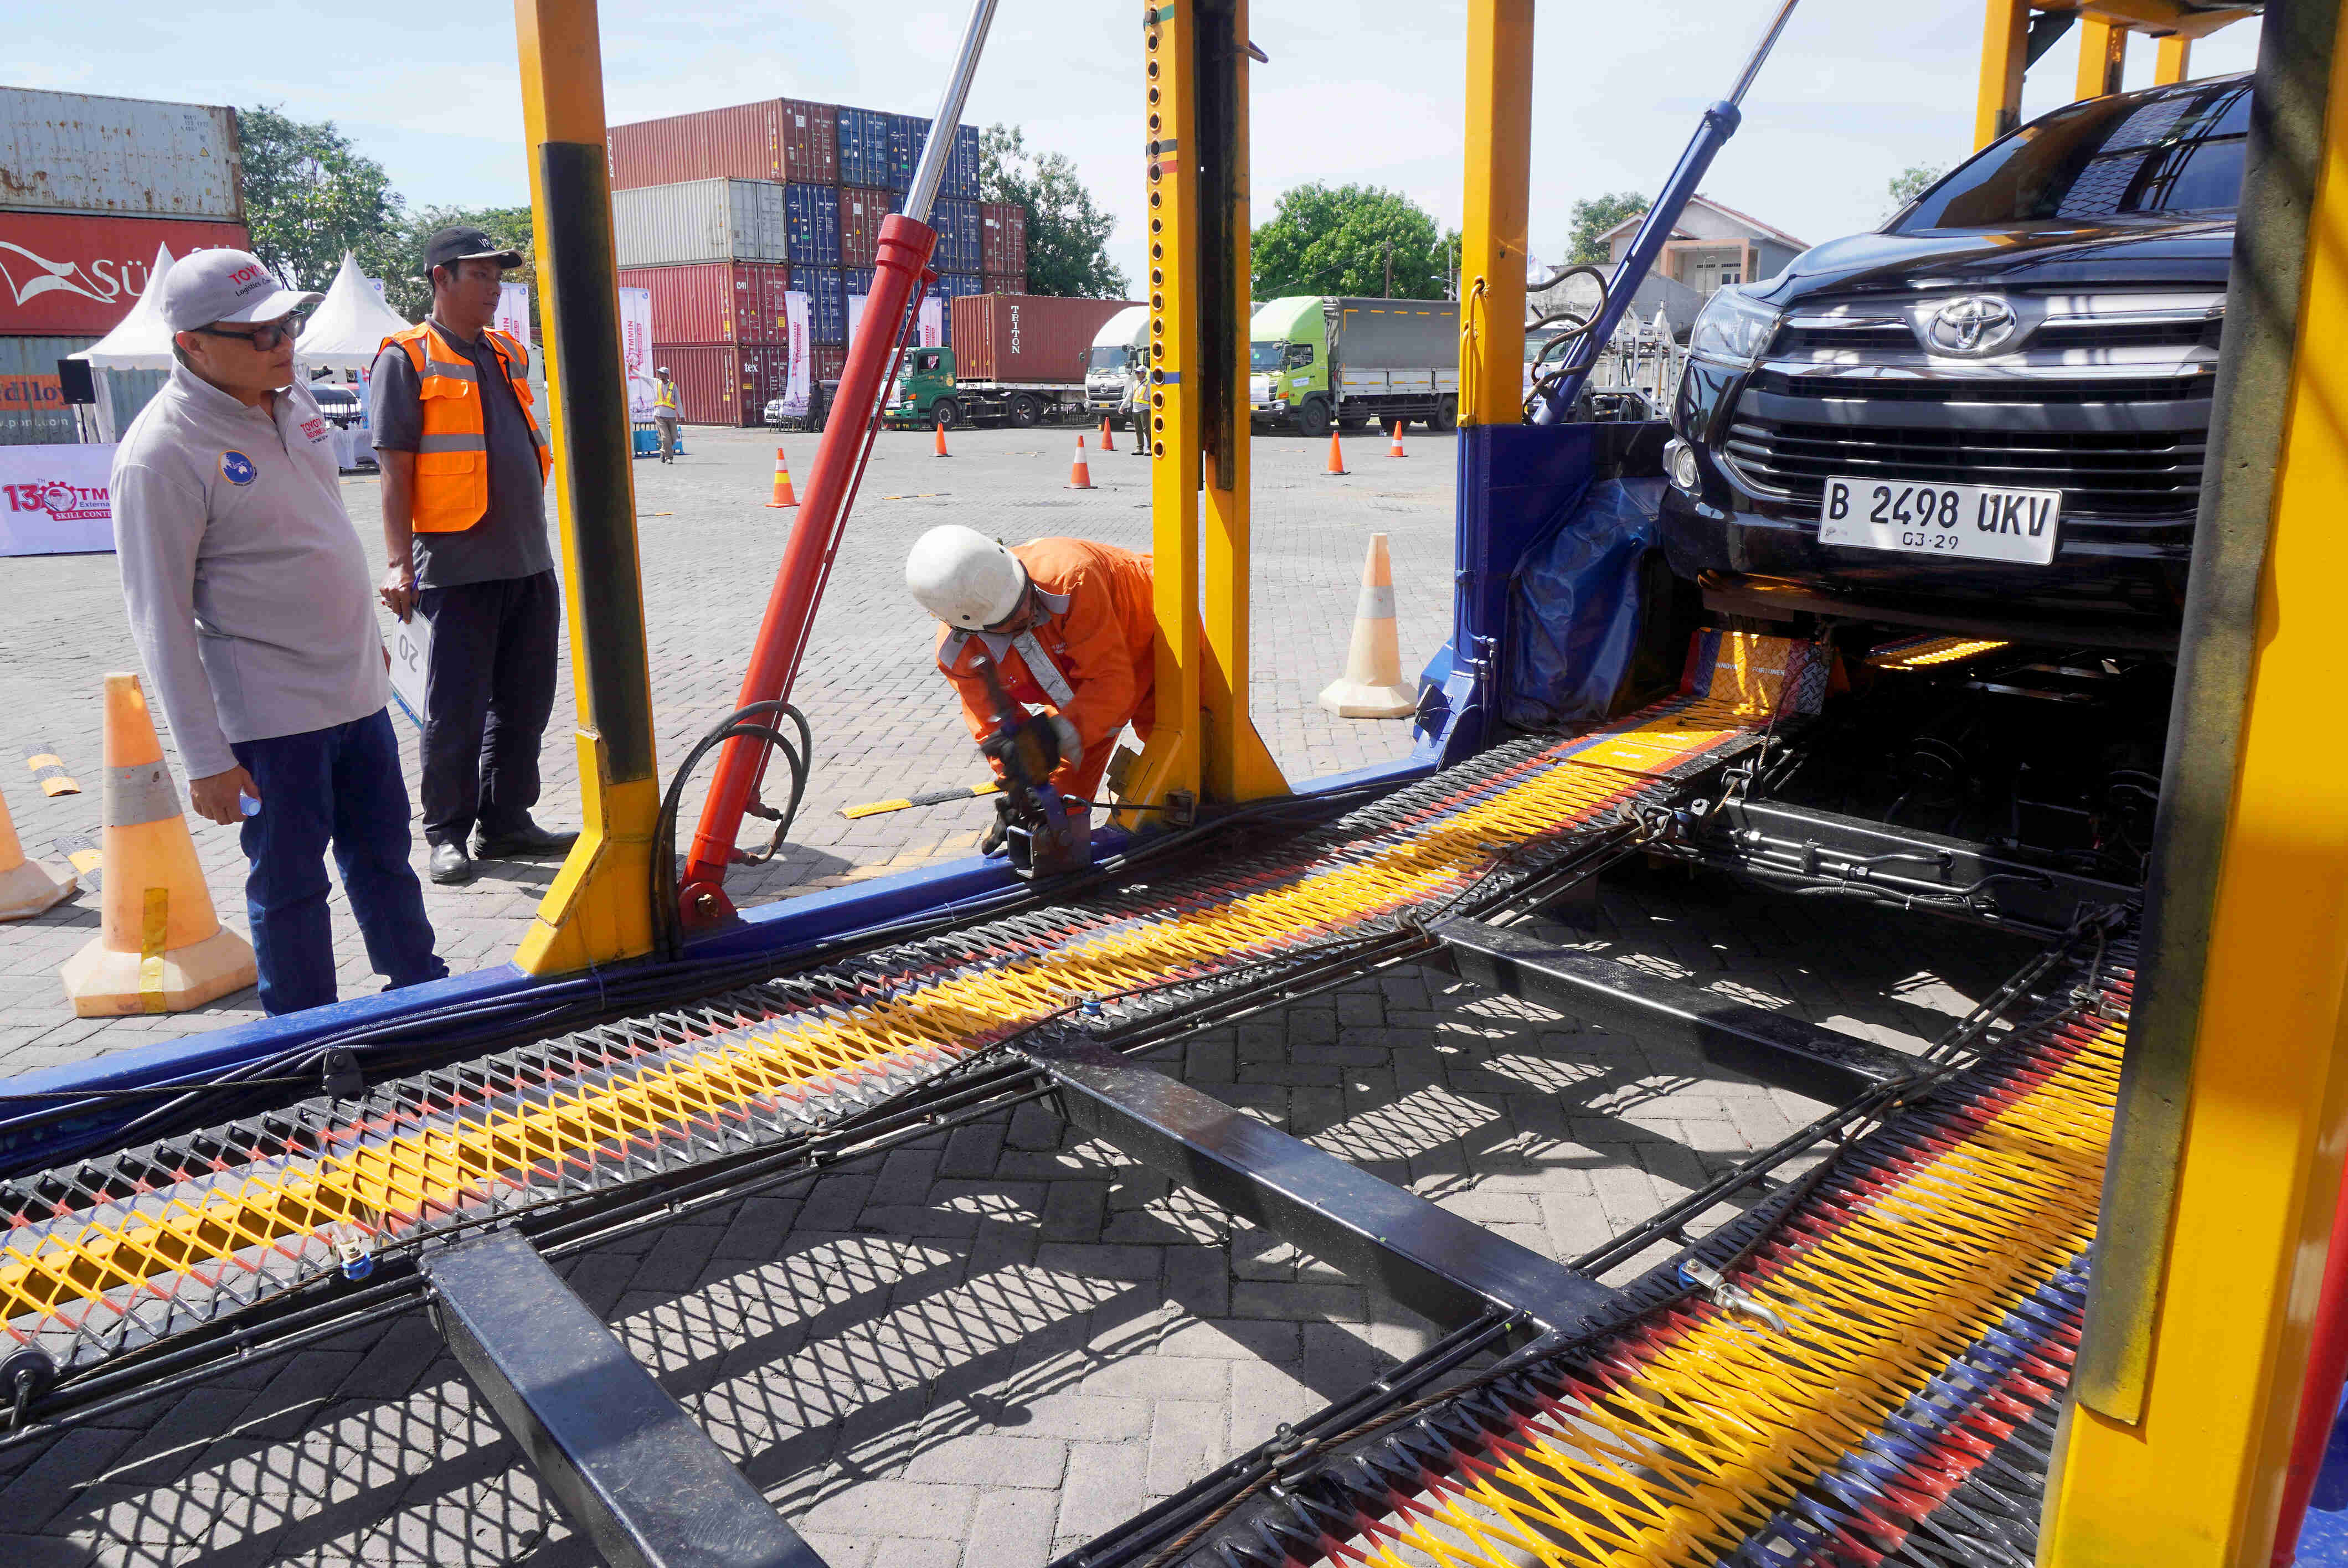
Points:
[(1027, 411), (946, 413), (1447, 414), (1312, 418)]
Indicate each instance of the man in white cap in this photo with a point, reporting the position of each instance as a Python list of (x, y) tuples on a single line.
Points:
[(252, 602), (1071, 629), (666, 413)]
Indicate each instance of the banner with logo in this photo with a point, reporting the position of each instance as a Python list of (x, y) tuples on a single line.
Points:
[(52, 500), (795, 393), (928, 333), (69, 275), (636, 350), (513, 313)]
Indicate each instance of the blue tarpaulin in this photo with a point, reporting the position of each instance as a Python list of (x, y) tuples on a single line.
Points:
[(1574, 607)]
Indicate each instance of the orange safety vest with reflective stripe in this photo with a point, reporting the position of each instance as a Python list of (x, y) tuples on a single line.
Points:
[(452, 459)]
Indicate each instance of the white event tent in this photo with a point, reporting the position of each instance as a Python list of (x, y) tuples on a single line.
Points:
[(349, 325), (138, 341)]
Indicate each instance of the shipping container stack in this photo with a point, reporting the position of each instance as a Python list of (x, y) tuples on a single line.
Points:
[(721, 213), (90, 188)]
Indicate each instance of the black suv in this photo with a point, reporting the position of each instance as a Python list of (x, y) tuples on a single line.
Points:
[(1996, 408)]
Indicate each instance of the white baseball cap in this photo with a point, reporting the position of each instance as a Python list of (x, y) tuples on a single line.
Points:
[(207, 286)]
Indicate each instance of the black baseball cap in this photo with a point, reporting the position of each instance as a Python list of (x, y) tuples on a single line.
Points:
[(450, 246)]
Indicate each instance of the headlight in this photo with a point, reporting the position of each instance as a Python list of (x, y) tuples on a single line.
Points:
[(1733, 327), (1679, 462)]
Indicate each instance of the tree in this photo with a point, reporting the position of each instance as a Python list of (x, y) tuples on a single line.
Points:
[(1592, 216), (1351, 240), (1909, 184), (405, 286), (1067, 234), (309, 196)]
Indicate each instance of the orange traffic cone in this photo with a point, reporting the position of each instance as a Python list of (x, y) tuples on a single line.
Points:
[(942, 442), (1395, 450), (784, 495), (160, 946), (1336, 457), (1371, 686), (25, 887), (1108, 434), (1080, 474)]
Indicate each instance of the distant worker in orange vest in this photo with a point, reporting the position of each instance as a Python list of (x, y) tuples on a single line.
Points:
[(464, 526), (666, 413), (1071, 629)]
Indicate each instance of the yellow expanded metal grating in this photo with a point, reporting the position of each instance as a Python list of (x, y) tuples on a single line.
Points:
[(1930, 652), (1928, 1299), (128, 1266)]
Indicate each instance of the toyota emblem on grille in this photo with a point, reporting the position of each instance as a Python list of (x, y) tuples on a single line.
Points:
[(1977, 323)]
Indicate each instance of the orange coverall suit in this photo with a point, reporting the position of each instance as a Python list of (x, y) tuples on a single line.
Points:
[(1104, 642)]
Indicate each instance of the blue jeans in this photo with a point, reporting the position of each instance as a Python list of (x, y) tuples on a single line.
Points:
[(341, 785)]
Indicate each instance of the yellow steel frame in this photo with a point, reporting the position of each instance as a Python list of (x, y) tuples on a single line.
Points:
[(2195, 1477), (2103, 29), (598, 908), (1495, 212)]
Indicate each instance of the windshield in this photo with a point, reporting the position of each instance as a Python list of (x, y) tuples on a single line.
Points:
[(1109, 356), (1264, 354), (2108, 158)]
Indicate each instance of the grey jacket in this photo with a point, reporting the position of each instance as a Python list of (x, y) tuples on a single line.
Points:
[(250, 594)]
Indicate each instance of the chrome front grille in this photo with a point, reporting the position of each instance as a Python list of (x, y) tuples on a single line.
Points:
[(2101, 473)]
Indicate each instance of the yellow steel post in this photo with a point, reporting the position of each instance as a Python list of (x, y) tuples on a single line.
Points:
[(2005, 39), (2175, 1444), (1236, 764), (600, 906), (2174, 63), (1493, 212), (1170, 41), (2102, 55)]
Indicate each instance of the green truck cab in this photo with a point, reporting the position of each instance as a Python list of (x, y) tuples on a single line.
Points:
[(1315, 360), (931, 391)]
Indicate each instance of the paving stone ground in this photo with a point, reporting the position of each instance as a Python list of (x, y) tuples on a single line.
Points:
[(982, 1350), (886, 724)]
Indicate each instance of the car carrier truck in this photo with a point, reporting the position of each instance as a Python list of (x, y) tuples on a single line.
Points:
[(1315, 360), (1016, 359)]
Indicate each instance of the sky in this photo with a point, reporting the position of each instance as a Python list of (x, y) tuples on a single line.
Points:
[(1358, 90)]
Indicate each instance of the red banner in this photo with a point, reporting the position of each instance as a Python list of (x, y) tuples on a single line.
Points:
[(61, 275)]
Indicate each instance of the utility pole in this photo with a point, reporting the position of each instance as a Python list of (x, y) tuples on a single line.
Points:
[(1389, 269)]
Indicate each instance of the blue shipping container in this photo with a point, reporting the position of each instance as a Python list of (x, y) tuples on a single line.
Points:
[(811, 225), (827, 306), (863, 147), (908, 134), (959, 233), (955, 285), (961, 181)]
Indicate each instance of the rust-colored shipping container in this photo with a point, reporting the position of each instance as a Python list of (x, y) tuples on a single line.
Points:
[(861, 207), (71, 274), (1026, 337), (744, 142), (1002, 237), (726, 384), (715, 301), (830, 361), (810, 134), (1005, 283)]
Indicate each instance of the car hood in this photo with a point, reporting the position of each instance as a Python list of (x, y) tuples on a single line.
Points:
[(2086, 253)]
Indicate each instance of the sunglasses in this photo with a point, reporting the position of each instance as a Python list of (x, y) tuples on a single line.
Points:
[(262, 338)]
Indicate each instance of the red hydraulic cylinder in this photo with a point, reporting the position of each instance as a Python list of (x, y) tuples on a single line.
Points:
[(2319, 1395), (905, 255)]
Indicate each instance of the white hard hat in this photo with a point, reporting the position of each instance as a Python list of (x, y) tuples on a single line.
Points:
[(964, 578)]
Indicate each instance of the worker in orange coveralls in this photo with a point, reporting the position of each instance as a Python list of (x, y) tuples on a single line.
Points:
[(1070, 627)]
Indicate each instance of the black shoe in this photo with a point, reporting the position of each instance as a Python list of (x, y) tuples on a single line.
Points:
[(522, 842), (450, 864)]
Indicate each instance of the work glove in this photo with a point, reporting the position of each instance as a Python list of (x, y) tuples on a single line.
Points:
[(997, 834), (1072, 746)]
